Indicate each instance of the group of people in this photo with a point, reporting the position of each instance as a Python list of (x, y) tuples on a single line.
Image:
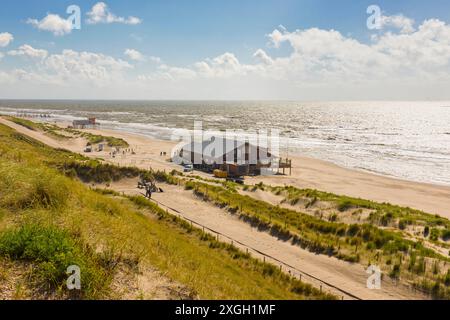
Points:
[(118, 151)]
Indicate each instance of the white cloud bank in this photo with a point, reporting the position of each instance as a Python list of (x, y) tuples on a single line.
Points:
[(404, 24), (100, 13), (5, 39), (69, 69), (52, 23), (412, 63), (29, 51), (134, 55)]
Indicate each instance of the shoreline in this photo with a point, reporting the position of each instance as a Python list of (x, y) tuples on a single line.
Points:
[(307, 173)]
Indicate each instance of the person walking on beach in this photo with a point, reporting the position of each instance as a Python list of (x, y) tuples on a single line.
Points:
[(148, 191)]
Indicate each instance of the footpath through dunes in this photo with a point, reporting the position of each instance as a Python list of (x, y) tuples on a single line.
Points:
[(345, 277)]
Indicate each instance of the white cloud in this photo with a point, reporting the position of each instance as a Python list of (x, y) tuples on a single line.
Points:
[(100, 13), (321, 64), (5, 39), (329, 64), (404, 24), (134, 55), (52, 23), (29, 51), (70, 68), (86, 67), (262, 56), (1, 56), (171, 73)]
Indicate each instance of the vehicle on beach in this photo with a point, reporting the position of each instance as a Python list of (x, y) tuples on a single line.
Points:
[(239, 180), (188, 168)]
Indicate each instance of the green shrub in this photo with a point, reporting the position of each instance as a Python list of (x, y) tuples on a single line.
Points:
[(395, 272), (344, 205), (445, 234), (434, 235), (53, 251)]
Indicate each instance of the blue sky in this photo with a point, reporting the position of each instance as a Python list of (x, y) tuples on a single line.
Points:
[(204, 28), (182, 33)]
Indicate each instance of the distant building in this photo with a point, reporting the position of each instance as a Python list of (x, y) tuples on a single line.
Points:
[(89, 123), (235, 157)]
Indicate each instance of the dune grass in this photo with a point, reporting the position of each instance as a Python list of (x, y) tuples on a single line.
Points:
[(362, 243), (55, 131), (49, 220), (50, 129), (343, 203)]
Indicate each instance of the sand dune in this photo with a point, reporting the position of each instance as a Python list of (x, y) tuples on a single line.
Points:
[(346, 276), (349, 277)]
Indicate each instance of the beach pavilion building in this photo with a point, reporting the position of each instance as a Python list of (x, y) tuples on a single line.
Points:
[(237, 158), (89, 123)]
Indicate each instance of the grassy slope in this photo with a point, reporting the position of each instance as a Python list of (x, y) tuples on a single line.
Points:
[(56, 132), (50, 221)]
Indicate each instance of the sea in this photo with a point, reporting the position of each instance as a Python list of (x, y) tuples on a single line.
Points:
[(406, 140)]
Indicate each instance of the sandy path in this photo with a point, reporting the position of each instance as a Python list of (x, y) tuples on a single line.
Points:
[(346, 276)]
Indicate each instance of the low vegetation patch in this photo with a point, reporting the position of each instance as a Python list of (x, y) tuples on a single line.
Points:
[(51, 250)]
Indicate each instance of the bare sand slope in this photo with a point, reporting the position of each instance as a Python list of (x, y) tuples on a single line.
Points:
[(346, 276)]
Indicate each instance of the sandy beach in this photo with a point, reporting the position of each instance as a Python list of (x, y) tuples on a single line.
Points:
[(306, 172)]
